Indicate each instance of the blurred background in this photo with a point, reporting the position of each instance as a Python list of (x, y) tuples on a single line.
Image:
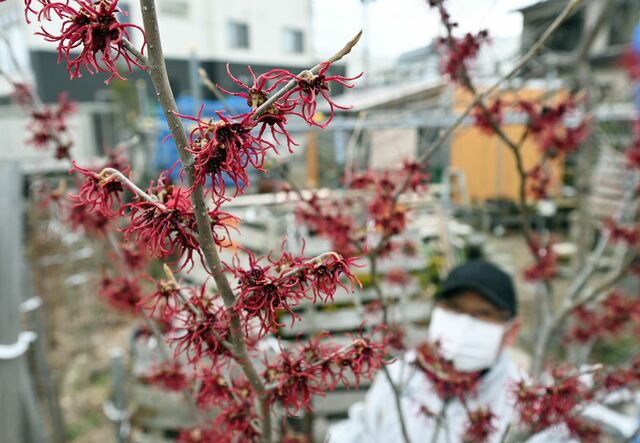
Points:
[(400, 105)]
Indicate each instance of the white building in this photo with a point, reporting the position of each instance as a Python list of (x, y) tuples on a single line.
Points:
[(264, 34)]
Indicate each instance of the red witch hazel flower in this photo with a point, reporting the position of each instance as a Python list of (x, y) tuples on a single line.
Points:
[(214, 388), (202, 329), (238, 419), (310, 86), (80, 218), (295, 381), (165, 299), (93, 28), (266, 290), (167, 225), (48, 126), (547, 125), (134, 258), (365, 357), (257, 94), (461, 52), (223, 150), (493, 115), (609, 318), (480, 426), (169, 375), (316, 367), (547, 404), (539, 182), (101, 194), (617, 232), (22, 94), (447, 381), (331, 219), (545, 266), (259, 91), (122, 293)]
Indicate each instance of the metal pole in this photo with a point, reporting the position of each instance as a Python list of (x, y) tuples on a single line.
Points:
[(118, 402), (19, 418), (48, 385)]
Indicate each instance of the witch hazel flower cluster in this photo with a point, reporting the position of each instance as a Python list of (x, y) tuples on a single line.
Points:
[(459, 52), (450, 383), (338, 219), (317, 367), (92, 28), (563, 395), (211, 337), (545, 266), (224, 148), (269, 287), (556, 401), (608, 318), (49, 124)]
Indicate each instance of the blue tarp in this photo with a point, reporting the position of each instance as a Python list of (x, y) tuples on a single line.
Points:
[(165, 152), (635, 40)]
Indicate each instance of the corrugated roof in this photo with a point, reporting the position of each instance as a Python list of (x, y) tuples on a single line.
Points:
[(367, 98), (539, 5)]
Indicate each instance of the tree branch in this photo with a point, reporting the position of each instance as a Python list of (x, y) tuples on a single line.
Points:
[(158, 73), (108, 173), (533, 51), (142, 59)]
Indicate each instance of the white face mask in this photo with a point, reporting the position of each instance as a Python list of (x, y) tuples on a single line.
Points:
[(470, 344)]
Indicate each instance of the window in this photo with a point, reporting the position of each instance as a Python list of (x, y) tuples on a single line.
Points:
[(293, 41), (623, 20), (177, 8), (238, 35)]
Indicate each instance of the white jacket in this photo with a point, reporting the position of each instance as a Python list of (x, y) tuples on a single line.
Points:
[(375, 420)]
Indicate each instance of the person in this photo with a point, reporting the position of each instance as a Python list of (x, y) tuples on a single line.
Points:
[(474, 321)]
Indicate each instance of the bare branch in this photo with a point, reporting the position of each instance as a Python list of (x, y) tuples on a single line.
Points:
[(142, 59), (108, 173), (215, 91), (568, 10)]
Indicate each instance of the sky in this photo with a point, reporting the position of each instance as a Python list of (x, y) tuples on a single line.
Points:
[(396, 26)]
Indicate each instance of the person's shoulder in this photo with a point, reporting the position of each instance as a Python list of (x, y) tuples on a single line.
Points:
[(515, 364), (400, 366)]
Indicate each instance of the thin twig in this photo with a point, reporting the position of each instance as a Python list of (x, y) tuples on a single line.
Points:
[(108, 173), (204, 77), (142, 59)]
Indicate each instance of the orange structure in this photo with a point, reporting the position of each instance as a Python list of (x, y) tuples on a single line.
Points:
[(487, 163)]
